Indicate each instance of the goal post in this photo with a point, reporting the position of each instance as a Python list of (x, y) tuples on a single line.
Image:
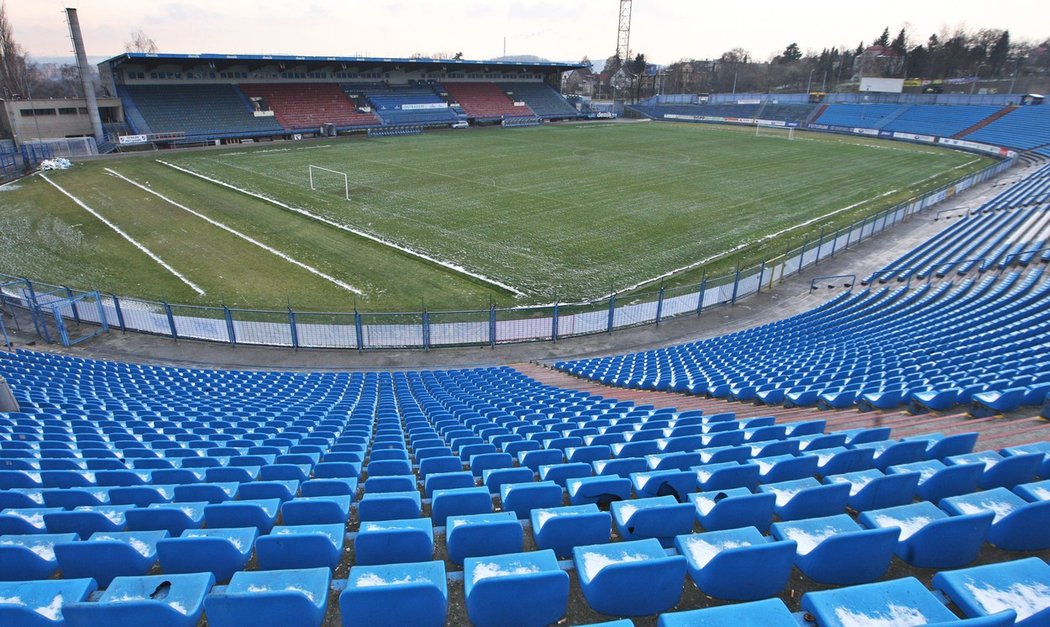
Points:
[(769, 130), (322, 171)]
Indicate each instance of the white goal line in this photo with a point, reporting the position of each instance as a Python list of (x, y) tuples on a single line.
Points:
[(346, 180)]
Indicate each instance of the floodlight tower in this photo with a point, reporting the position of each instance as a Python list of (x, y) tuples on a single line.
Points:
[(623, 33)]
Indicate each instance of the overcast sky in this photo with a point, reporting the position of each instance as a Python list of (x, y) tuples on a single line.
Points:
[(561, 30)]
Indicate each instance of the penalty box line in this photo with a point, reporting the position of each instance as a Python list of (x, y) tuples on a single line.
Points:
[(142, 247), (247, 238), (448, 265)]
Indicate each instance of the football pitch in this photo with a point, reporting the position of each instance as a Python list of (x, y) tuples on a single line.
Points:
[(451, 220)]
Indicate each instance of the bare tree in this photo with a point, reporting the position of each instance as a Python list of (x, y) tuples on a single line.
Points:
[(140, 42), (14, 72)]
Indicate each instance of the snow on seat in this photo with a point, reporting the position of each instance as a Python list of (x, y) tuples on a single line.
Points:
[(836, 550), (731, 509), (394, 542), (779, 468), (41, 603), (289, 598), (221, 552), (31, 556), (896, 602), (598, 490), (929, 537), (894, 453), (871, 489), (807, 498), (563, 528), (106, 555), (677, 483), (737, 564), (88, 519), (301, 546), (840, 460), (476, 535), (518, 588), (1022, 586), (1018, 525), (395, 595), (659, 517), (937, 480), (1002, 471), (632, 578), (163, 600), (765, 613), (726, 475)]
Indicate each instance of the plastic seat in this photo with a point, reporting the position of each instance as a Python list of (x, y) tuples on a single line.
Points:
[(1002, 471), (522, 498), (765, 613), (459, 502), (871, 489), (106, 555), (518, 588), (890, 453), (633, 578), (171, 517), (937, 481), (395, 595), (391, 483), (281, 598), (389, 506), (725, 476), (477, 535), (836, 550), (677, 483), (282, 490), (601, 491), (1035, 491), (737, 564), (164, 600), (660, 517), (560, 473), (206, 492), (394, 542), (807, 498), (316, 510), (301, 546), (563, 528), (86, 520), (447, 481), (732, 509), (328, 487), (940, 446), (839, 461), (1020, 585), (221, 552), (442, 463), (41, 603), (786, 467), (897, 601), (930, 538), (992, 402), (32, 556), (1018, 525), (260, 513), (619, 467)]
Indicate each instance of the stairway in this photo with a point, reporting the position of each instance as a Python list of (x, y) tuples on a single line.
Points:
[(815, 114), (985, 122)]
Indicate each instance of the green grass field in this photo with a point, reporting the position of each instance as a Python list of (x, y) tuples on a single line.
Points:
[(562, 212)]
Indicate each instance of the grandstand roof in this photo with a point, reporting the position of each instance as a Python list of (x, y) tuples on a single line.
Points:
[(153, 59)]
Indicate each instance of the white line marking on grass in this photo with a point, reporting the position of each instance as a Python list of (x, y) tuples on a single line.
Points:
[(250, 240), (349, 229), (130, 239)]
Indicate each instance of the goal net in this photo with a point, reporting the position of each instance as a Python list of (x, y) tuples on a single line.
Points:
[(323, 179), (783, 132)]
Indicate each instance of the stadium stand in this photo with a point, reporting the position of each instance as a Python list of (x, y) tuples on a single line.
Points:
[(939, 120), (541, 98), (860, 115), (309, 106), (1023, 127), (486, 101), (196, 110), (413, 103)]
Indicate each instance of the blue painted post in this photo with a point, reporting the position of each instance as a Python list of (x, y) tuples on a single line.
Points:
[(230, 332), (834, 243), (293, 329), (612, 311), (426, 330), (492, 325), (802, 255), (849, 234), (3, 330), (120, 313), (700, 297), (73, 306), (820, 244), (61, 324), (359, 331), (660, 304), (736, 284), (171, 321), (554, 323)]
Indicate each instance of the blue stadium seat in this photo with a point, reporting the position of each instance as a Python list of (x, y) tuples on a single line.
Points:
[(836, 550), (478, 535), (106, 555), (459, 502), (389, 506), (316, 510), (766, 613), (598, 490), (394, 542), (301, 546), (807, 498), (258, 513), (871, 489), (518, 588), (41, 603), (31, 556), (221, 552), (659, 517), (523, 498), (1018, 525), (164, 600), (281, 598), (988, 590), (88, 519), (394, 595), (632, 578), (171, 517), (732, 509), (563, 528), (937, 481), (1002, 471), (737, 564), (930, 538)]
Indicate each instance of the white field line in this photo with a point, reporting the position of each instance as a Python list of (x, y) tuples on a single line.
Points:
[(193, 286), (349, 229), (250, 240), (741, 246)]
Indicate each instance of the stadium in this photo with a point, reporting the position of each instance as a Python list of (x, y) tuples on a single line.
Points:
[(433, 340)]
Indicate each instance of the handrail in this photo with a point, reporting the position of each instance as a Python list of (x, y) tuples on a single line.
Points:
[(813, 283), (969, 212)]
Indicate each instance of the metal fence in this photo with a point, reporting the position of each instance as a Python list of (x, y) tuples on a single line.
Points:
[(487, 327)]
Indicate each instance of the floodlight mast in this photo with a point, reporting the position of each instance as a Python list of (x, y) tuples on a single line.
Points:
[(623, 33)]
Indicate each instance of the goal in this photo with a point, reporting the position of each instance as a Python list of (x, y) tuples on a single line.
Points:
[(327, 179), (783, 132)]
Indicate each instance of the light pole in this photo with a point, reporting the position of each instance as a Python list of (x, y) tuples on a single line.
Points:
[(976, 77), (809, 81)]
